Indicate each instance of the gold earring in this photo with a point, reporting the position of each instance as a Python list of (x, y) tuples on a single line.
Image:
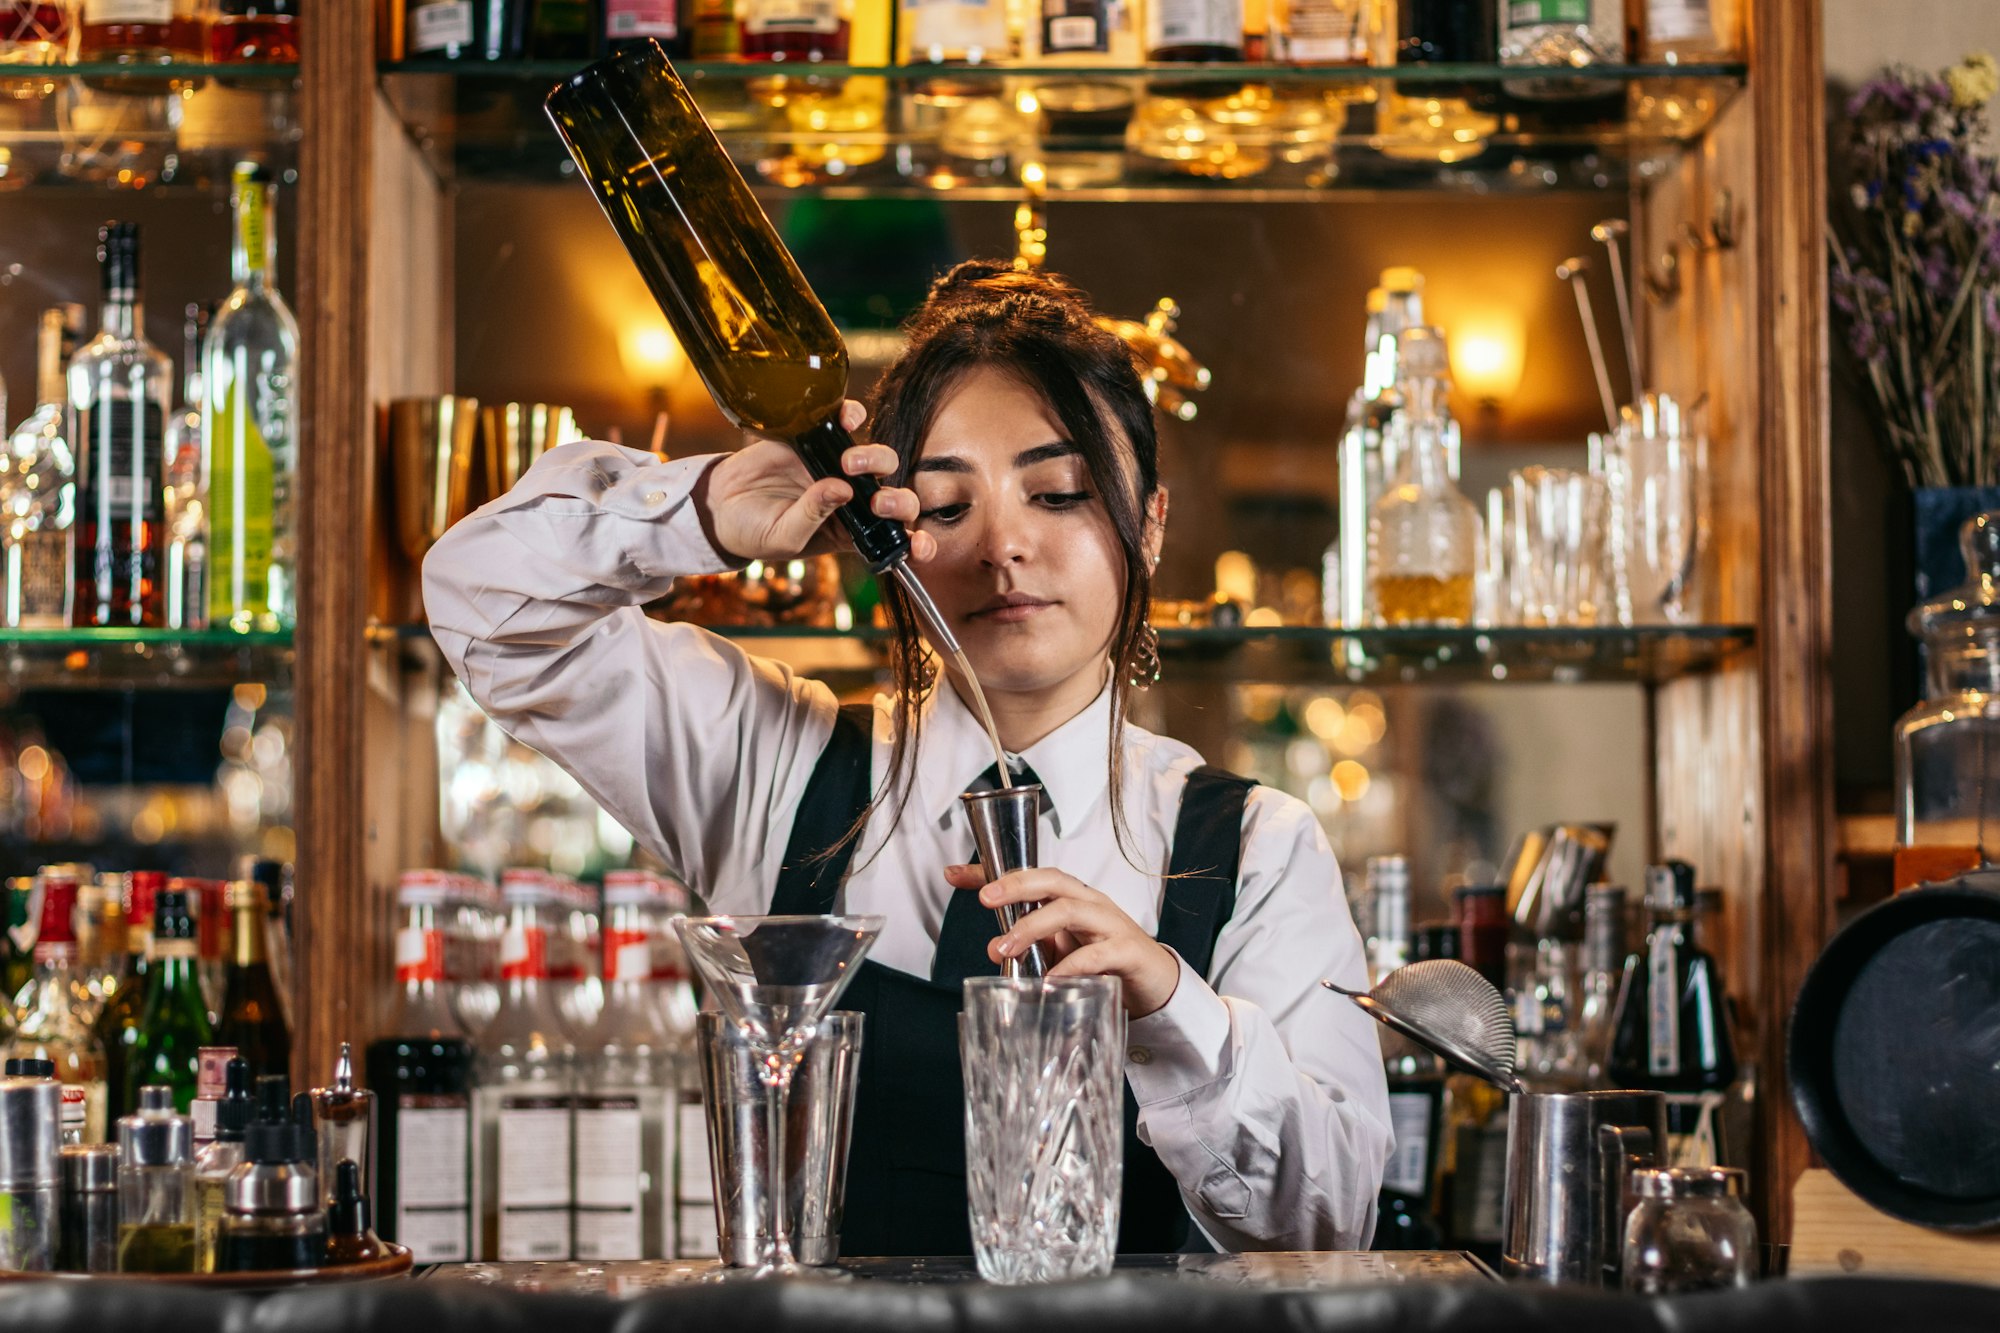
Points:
[(1142, 670)]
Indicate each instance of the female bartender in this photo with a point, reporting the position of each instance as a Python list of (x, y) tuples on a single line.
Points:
[(1018, 446)]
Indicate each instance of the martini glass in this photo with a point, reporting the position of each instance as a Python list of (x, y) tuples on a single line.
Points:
[(775, 978)]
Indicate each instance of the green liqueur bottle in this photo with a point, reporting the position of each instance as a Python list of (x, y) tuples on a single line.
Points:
[(173, 1027), (248, 385)]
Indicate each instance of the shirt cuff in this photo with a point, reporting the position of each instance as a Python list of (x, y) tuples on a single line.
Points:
[(653, 491), (1182, 1046)]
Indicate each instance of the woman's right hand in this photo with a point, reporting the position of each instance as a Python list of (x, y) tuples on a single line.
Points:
[(760, 503)]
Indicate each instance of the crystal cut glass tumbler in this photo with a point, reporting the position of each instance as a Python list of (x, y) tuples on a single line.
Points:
[(1044, 1067)]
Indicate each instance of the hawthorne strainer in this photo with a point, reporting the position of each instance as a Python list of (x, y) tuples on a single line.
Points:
[(1448, 1008)]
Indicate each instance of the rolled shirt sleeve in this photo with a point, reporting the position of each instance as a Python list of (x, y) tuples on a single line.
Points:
[(1261, 1091)]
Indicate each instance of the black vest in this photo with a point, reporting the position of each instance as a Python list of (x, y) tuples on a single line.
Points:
[(906, 1167)]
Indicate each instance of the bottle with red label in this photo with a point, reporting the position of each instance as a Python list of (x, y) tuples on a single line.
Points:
[(53, 1026), (632, 21), (627, 1100), (524, 1095), (422, 1079)]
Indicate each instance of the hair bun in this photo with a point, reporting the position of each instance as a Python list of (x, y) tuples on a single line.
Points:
[(982, 289)]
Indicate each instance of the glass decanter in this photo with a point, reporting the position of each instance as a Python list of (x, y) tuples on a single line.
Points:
[(1423, 534), (1948, 746)]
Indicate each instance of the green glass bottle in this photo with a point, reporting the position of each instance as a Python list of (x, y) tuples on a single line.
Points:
[(249, 371), (174, 1024)]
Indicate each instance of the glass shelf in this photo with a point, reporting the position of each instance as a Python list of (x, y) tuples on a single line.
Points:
[(144, 126), (144, 658), (1267, 132), (1309, 653)]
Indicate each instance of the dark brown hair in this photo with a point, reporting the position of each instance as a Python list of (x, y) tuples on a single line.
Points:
[(1040, 328)]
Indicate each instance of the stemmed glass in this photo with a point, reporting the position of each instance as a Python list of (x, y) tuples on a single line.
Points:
[(775, 978)]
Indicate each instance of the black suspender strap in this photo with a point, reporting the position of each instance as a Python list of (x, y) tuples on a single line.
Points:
[(1200, 891), (834, 799)]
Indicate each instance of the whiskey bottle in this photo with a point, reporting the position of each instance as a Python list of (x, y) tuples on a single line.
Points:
[(38, 491), (263, 32), (119, 388), (248, 382)]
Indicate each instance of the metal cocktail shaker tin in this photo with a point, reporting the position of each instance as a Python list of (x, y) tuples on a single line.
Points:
[(821, 1120), (89, 1239), (30, 1138)]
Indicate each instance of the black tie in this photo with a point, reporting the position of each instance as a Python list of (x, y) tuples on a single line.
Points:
[(969, 925)]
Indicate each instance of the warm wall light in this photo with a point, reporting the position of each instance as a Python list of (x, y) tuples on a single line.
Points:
[(651, 354), (1487, 358)]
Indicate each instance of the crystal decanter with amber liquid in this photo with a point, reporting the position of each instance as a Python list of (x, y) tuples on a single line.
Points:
[(1423, 533)]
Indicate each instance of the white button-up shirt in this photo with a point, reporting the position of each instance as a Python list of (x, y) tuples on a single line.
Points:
[(1259, 1090)]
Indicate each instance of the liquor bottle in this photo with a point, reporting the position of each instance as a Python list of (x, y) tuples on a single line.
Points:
[(1084, 32), (38, 498), (762, 342), (100, 944), (1324, 32), (139, 32), (1363, 470), (1603, 967), (248, 382), (463, 29), (254, 32), (117, 1027), (119, 386), (627, 21), (253, 1019), (624, 1124), (559, 29), (34, 32), (1404, 1217), (186, 477), (792, 30), (173, 1025), (1678, 32), (1672, 1031), (953, 32), (214, 1161), (422, 1077), (1562, 33), (1194, 30), (1422, 533), (1389, 890), (208, 901), (524, 1100), (1445, 32), (52, 1026)]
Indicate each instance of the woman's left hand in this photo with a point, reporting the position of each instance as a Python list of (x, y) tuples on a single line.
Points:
[(1083, 932)]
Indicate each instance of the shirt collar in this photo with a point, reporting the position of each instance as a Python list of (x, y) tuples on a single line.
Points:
[(1073, 761)]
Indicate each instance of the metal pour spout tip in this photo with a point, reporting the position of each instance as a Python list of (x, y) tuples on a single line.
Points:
[(940, 633), (343, 1069), (1609, 230)]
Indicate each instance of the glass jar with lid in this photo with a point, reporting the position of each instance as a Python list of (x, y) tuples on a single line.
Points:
[(1948, 746), (1689, 1232)]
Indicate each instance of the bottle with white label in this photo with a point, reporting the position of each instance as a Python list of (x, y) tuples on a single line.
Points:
[(645, 21), (958, 32), (1679, 32), (524, 1098), (624, 1128), (1672, 1032), (422, 1078), (1194, 30), (458, 30)]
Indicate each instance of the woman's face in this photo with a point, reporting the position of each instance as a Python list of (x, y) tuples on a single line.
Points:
[(1028, 570)]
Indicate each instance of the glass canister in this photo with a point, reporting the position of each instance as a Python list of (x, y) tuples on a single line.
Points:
[(1689, 1232), (1948, 746)]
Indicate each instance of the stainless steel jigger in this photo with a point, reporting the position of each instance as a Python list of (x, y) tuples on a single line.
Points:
[(1004, 828)]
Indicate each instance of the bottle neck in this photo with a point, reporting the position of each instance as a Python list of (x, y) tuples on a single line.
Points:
[(1424, 461), (1964, 663), (246, 948), (250, 254), (49, 359), (123, 316)]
